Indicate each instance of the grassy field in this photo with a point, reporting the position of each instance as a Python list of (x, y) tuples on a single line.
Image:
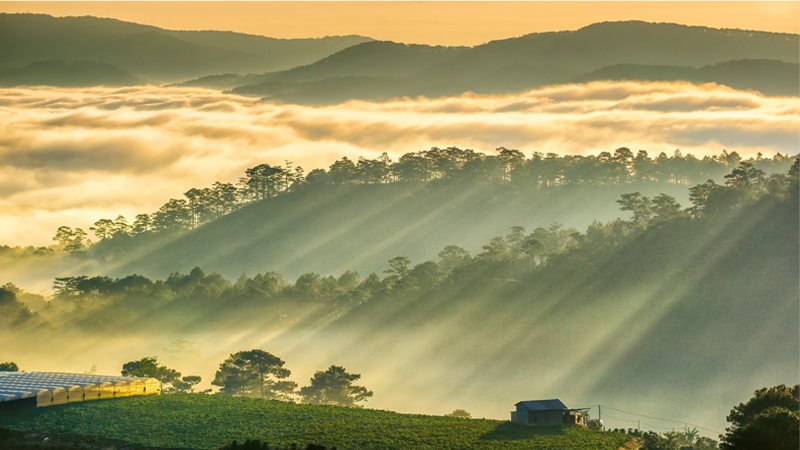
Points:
[(211, 421)]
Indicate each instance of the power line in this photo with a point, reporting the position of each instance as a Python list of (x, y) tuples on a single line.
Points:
[(681, 422)]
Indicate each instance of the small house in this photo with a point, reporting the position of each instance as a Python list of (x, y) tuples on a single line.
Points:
[(544, 413)]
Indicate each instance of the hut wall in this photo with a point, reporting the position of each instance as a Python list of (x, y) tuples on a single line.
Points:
[(546, 418)]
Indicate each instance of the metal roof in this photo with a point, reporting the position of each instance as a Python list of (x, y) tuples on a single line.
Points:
[(19, 385), (543, 405)]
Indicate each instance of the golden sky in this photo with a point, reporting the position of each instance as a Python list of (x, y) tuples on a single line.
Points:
[(443, 23)]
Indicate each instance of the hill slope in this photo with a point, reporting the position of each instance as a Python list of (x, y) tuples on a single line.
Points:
[(63, 73), (665, 320), (649, 319), (332, 229), (557, 57), (201, 421), (770, 77), (701, 311), (151, 52)]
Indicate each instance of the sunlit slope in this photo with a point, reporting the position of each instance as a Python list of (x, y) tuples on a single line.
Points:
[(151, 52), (696, 313), (201, 421), (331, 229), (546, 58)]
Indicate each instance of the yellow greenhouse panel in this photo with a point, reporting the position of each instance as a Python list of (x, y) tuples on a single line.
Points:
[(152, 387), (105, 390), (75, 394), (41, 389), (60, 396), (44, 398), (91, 392)]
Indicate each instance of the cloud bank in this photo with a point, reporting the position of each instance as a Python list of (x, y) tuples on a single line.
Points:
[(72, 156)]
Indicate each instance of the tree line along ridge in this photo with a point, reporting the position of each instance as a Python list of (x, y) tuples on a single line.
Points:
[(199, 206)]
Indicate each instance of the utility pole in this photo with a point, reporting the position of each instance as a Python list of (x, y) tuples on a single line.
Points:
[(599, 413)]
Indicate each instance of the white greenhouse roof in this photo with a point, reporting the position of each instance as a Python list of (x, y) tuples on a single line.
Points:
[(20, 385)]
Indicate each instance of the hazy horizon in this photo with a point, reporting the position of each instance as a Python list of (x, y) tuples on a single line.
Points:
[(432, 23)]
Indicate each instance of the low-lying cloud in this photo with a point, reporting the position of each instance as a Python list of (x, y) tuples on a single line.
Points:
[(72, 156)]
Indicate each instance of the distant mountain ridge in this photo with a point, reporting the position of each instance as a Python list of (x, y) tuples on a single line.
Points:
[(67, 73), (768, 76), (335, 69), (538, 59), (150, 52)]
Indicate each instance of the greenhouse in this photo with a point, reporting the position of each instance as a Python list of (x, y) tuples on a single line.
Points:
[(18, 389)]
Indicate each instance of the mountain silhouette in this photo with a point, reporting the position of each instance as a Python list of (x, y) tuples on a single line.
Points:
[(153, 53), (67, 73), (735, 57), (768, 76)]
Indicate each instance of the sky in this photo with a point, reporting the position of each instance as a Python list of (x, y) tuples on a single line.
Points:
[(439, 23)]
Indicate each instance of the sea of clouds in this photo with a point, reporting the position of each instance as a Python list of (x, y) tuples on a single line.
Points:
[(72, 156)]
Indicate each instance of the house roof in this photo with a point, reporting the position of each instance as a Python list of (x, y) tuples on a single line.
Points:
[(543, 405), (19, 385)]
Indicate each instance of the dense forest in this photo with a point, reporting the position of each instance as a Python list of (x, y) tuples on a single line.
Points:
[(199, 206), (424, 201), (666, 295), (526, 257)]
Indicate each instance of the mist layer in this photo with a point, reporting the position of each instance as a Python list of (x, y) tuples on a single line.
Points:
[(72, 156)]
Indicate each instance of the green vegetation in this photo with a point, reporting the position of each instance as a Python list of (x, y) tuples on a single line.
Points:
[(334, 386), (528, 257), (14, 312), (201, 421), (461, 413), (171, 380), (770, 419), (689, 439), (255, 373), (272, 207), (9, 366), (710, 285)]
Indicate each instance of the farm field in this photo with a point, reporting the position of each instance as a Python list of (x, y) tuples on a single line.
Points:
[(212, 421)]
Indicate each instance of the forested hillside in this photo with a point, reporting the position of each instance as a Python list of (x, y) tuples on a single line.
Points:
[(659, 308), (358, 214)]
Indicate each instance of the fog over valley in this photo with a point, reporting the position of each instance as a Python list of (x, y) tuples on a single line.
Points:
[(72, 156)]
